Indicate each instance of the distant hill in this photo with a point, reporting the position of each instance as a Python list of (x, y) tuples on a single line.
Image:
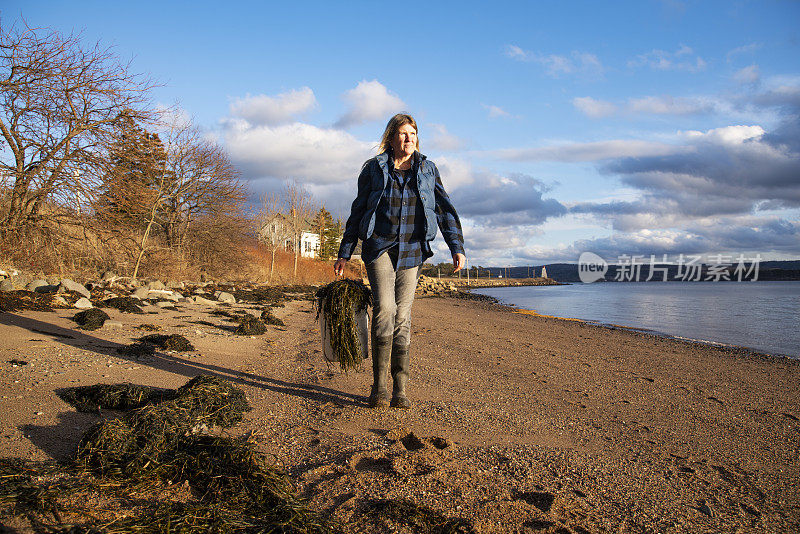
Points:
[(568, 272)]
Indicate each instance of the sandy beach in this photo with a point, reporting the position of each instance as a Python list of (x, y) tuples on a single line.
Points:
[(520, 423)]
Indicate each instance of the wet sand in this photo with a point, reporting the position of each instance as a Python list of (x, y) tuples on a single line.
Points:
[(520, 423)]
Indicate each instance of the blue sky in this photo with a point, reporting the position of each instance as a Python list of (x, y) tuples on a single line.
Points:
[(661, 127)]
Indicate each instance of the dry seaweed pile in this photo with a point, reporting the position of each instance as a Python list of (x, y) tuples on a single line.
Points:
[(338, 302), (124, 304), (233, 487), (112, 396), (25, 300), (271, 295), (250, 326), (175, 342), (91, 319)]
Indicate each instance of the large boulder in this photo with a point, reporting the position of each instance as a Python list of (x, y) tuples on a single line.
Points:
[(69, 285), (164, 294), (223, 296), (141, 293), (197, 299), (7, 284), (83, 304)]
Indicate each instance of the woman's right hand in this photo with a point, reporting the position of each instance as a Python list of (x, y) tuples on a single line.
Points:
[(338, 267)]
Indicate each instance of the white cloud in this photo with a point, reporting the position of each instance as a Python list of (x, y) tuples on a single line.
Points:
[(668, 105), (728, 135), (683, 58), (496, 111), (594, 108), (748, 75), (596, 151), (455, 173), (369, 101), (557, 65), (647, 105), (515, 52), (443, 140), (272, 110), (297, 151), (744, 49)]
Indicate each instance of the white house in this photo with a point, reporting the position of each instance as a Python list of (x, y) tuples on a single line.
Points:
[(309, 244), (278, 231)]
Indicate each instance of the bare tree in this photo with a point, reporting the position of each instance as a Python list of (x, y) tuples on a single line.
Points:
[(59, 104), (301, 207), (272, 226), (204, 183)]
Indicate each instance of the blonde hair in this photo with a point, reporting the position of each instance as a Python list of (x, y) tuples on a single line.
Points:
[(395, 123)]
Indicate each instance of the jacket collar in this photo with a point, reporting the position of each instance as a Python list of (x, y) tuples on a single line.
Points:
[(383, 160)]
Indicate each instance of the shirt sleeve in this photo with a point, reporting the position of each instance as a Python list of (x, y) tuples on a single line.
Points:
[(447, 218), (350, 235)]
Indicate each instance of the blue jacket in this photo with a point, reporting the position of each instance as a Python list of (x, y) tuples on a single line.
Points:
[(371, 187)]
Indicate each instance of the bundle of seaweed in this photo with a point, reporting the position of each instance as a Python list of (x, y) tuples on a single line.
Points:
[(338, 302), (234, 488), (175, 342), (112, 396), (133, 446), (124, 304), (137, 350), (250, 326), (91, 319)]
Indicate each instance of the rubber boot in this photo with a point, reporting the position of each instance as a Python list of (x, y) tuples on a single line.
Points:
[(400, 368), (381, 353)]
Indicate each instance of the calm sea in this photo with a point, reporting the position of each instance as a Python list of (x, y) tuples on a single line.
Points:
[(764, 316)]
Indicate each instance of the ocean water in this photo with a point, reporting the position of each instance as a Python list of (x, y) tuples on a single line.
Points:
[(764, 316)]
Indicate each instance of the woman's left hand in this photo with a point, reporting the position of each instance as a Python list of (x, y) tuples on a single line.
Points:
[(459, 261)]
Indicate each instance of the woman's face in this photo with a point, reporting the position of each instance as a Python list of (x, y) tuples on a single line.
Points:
[(404, 142)]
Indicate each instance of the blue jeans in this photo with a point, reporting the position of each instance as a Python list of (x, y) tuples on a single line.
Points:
[(392, 297)]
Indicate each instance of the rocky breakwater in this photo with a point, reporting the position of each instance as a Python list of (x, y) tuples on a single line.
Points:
[(500, 282), (435, 286)]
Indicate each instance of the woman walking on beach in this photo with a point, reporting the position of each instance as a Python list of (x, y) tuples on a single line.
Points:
[(400, 202)]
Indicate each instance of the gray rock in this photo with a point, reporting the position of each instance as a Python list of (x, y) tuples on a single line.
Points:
[(175, 285), (165, 304), (156, 284), (222, 296), (206, 302), (20, 280), (164, 294), (58, 300), (141, 293), (108, 276), (83, 304), (185, 300), (68, 285), (7, 284)]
